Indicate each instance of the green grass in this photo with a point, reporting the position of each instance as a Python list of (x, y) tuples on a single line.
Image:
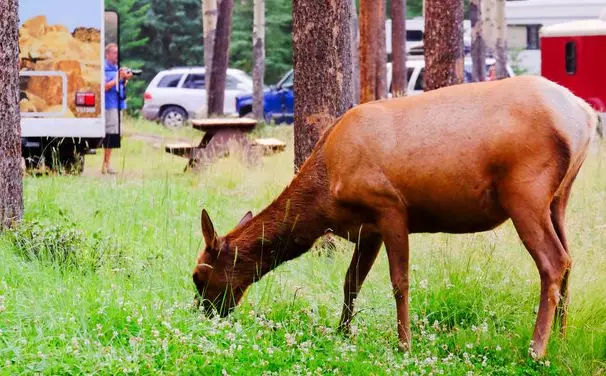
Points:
[(123, 303)]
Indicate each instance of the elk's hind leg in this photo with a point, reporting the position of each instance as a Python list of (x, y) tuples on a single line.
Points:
[(363, 258), (538, 234), (558, 212)]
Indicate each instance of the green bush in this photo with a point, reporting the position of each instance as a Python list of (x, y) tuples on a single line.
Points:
[(62, 245)]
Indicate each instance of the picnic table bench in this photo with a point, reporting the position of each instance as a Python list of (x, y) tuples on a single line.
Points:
[(218, 135)]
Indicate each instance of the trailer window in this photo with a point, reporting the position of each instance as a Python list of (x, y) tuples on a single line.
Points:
[(571, 58), (170, 80)]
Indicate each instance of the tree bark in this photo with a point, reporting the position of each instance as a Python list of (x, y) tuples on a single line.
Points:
[(398, 48), (355, 53), (323, 69), (368, 50), (11, 174), (381, 55), (443, 43), (216, 90), (478, 48), (501, 42), (209, 25), (258, 57)]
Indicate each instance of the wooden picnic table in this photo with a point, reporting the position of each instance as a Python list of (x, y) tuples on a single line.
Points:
[(219, 135)]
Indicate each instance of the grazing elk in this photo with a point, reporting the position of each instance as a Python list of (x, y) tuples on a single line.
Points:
[(459, 159)]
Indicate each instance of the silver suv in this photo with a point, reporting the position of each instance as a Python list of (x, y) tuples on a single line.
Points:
[(177, 94)]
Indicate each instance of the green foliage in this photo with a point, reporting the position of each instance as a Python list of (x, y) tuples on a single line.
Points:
[(60, 244), (278, 38)]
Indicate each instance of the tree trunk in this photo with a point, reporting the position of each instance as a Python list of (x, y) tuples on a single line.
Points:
[(501, 42), (355, 53), (11, 175), (209, 24), (368, 50), (398, 48), (478, 48), (216, 90), (323, 68), (258, 57), (381, 55), (443, 43)]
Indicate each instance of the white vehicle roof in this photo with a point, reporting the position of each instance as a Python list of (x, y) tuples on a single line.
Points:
[(549, 12), (576, 28), (201, 70)]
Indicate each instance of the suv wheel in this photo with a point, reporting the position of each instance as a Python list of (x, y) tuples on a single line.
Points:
[(174, 117)]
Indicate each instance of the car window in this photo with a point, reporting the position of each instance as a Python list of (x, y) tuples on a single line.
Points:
[(194, 81), (420, 84), (289, 81), (170, 80)]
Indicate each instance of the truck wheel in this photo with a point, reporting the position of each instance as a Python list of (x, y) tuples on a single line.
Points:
[(64, 160), (174, 117)]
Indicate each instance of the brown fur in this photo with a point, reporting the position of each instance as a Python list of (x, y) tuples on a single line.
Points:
[(460, 159)]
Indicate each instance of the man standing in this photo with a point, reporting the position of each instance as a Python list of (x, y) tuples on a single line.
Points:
[(114, 103)]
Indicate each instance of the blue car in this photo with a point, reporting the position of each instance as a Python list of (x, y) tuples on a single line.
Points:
[(278, 101)]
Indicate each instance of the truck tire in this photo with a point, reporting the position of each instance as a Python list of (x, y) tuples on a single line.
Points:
[(174, 117)]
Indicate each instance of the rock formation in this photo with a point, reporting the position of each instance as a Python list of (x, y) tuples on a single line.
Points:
[(46, 47)]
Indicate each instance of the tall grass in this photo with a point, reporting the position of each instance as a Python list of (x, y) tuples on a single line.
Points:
[(473, 297)]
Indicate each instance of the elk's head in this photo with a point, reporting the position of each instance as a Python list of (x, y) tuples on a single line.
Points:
[(215, 275)]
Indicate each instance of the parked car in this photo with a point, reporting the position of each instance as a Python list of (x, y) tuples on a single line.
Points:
[(278, 101), (177, 94), (416, 70)]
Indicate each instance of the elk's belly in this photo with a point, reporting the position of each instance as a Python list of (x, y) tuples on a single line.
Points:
[(465, 211)]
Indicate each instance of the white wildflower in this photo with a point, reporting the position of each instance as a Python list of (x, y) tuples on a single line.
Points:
[(423, 284)]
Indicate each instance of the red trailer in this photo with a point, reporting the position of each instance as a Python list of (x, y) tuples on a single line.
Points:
[(573, 54)]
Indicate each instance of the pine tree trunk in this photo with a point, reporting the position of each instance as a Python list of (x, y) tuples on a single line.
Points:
[(443, 43), (258, 57), (501, 42), (368, 50), (355, 52), (398, 47), (381, 56), (478, 48), (323, 69), (11, 175), (209, 25), (216, 91)]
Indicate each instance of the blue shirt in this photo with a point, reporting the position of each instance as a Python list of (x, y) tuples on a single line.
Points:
[(111, 96)]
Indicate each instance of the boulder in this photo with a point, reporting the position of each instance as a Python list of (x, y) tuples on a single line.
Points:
[(87, 34), (36, 26)]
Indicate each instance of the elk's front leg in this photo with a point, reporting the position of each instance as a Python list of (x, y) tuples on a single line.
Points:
[(394, 231), (363, 258)]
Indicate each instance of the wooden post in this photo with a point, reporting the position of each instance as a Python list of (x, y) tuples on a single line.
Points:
[(209, 25), (216, 90), (478, 48), (381, 55), (443, 43), (258, 57), (398, 47), (368, 50), (323, 68), (11, 173)]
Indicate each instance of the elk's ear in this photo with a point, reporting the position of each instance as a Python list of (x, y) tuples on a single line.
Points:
[(247, 217), (208, 230)]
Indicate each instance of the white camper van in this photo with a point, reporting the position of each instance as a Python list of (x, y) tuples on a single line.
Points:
[(62, 92)]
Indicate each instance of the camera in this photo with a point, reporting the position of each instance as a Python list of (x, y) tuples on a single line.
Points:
[(134, 72)]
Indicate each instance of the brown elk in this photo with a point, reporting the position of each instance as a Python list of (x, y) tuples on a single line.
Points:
[(458, 160)]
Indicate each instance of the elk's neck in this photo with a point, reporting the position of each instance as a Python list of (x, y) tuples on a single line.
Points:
[(288, 227)]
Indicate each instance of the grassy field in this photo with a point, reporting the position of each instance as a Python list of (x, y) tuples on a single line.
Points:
[(98, 281)]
